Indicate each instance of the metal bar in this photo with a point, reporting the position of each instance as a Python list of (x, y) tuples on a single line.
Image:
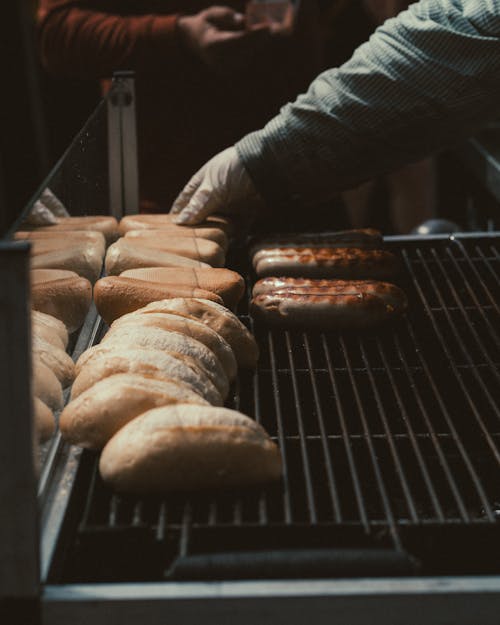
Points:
[(187, 518), (161, 525), (263, 512), (451, 361), (435, 439), (460, 305), (311, 504), (457, 440), (436, 601), (390, 439), (486, 262), (19, 566), (347, 443), (474, 270), (334, 497), (137, 514), (371, 450), (412, 435), (130, 166), (115, 172), (281, 434)]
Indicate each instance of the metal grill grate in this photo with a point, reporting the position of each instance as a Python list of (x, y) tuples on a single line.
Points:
[(389, 439)]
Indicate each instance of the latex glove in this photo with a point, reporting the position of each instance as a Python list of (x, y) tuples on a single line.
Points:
[(40, 215), (222, 185), (53, 203), (46, 210)]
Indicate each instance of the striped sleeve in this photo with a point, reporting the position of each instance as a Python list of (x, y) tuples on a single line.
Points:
[(424, 80)]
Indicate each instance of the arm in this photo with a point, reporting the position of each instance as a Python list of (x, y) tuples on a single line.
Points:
[(424, 79), (79, 40)]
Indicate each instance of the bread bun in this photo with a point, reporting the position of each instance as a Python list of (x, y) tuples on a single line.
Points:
[(190, 247), (46, 386), (217, 317), (62, 294), (171, 231), (44, 422), (108, 226), (57, 242), (98, 413), (174, 342), (123, 255), (63, 238), (53, 325), (55, 359), (226, 283), (85, 260), (101, 361), (162, 221), (115, 296), (189, 326), (186, 447)]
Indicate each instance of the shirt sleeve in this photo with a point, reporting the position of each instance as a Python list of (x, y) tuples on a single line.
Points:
[(78, 39), (424, 80)]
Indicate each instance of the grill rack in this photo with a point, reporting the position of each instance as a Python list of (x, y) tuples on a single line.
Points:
[(388, 440)]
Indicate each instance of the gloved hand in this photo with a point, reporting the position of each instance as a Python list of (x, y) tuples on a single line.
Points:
[(46, 210), (222, 185)]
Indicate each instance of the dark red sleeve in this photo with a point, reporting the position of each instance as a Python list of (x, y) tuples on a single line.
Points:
[(78, 39)]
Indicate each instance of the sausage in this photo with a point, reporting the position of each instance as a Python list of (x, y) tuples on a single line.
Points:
[(367, 238), (392, 295), (325, 262), (343, 305)]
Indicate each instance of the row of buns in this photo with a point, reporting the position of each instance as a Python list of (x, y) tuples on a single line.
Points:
[(151, 394)]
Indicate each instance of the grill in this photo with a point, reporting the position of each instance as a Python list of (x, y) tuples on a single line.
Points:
[(390, 443)]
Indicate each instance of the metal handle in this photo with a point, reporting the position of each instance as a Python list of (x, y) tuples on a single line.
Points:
[(293, 563)]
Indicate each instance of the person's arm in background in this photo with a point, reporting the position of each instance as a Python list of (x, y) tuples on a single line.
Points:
[(77, 39), (424, 79), (86, 39)]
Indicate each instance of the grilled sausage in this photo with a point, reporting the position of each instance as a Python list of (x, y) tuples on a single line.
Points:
[(325, 262), (342, 305), (367, 238)]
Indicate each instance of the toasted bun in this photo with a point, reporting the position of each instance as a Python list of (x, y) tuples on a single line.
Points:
[(63, 242), (226, 283), (123, 255), (115, 295), (64, 237), (191, 247), (55, 359), (217, 317), (189, 326), (108, 226), (44, 422), (62, 294), (172, 231), (52, 324), (101, 361), (97, 414), (138, 222), (46, 386), (83, 259), (175, 342), (186, 447)]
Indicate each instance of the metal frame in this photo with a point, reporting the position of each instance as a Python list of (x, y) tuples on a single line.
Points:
[(391, 601), (122, 146), (433, 601), (19, 578)]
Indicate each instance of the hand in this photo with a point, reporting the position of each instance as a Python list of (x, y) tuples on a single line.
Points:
[(221, 186), (218, 37)]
